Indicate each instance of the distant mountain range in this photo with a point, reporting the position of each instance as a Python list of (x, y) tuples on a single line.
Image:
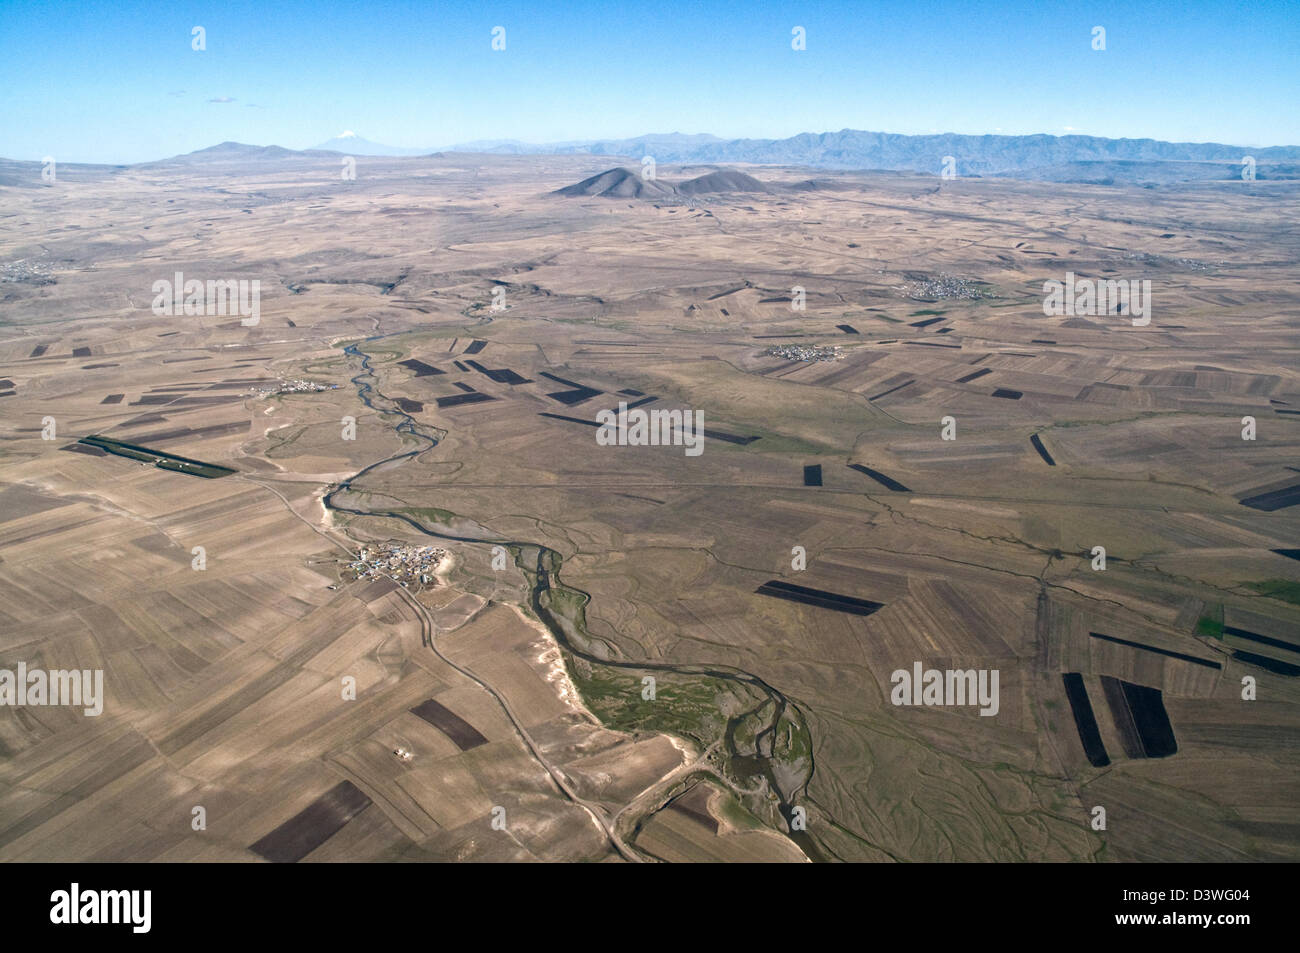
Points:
[(1051, 158), (1089, 159), (1044, 157)]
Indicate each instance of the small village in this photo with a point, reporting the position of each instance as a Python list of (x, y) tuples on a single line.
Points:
[(404, 564), (294, 387), (805, 352), (29, 270), (944, 287)]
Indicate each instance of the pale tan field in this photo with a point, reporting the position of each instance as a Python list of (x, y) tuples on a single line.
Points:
[(223, 685)]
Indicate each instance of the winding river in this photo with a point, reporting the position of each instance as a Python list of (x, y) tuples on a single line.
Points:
[(541, 567)]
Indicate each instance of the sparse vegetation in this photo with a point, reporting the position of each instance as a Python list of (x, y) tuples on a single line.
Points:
[(1286, 590)]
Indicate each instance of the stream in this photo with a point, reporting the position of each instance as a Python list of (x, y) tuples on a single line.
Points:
[(542, 572)]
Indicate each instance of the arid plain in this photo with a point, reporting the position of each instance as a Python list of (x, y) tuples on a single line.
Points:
[(603, 668)]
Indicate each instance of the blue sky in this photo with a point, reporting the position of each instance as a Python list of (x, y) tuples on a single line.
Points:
[(118, 81)]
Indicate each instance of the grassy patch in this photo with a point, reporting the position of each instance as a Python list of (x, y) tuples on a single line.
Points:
[(428, 514), (568, 604), (1284, 589), (735, 813), (686, 706), (1206, 625), (792, 741), (1211, 622)]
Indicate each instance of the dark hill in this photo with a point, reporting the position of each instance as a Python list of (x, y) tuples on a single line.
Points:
[(724, 180), (618, 184)]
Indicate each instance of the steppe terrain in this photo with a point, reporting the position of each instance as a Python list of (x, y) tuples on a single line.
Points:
[(602, 668)]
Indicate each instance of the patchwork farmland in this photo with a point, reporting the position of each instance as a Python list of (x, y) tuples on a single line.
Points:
[(630, 653)]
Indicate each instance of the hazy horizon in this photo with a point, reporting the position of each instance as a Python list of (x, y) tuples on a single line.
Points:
[(122, 83), (417, 150)]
